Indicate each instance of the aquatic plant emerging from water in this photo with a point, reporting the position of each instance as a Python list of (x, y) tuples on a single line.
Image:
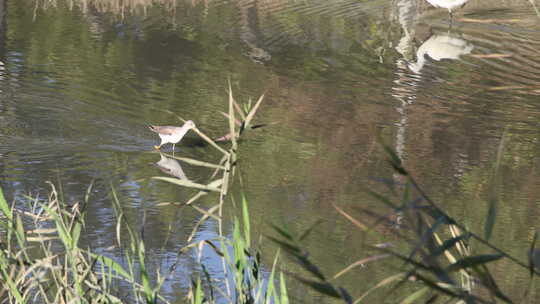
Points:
[(243, 280), (449, 260), (44, 263), (58, 270)]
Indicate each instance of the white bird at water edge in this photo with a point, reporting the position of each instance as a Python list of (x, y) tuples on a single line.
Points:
[(448, 4), (170, 134)]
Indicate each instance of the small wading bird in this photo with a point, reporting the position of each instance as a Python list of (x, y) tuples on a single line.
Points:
[(170, 134), (448, 4)]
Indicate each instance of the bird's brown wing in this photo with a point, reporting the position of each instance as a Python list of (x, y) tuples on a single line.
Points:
[(165, 130)]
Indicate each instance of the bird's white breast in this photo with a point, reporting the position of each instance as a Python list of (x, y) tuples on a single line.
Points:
[(450, 4), (177, 135)]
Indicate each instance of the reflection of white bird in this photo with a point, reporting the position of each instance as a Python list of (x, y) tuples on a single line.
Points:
[(2, 71), (171, 166), (448, 4), (440, 46), (173, 135)]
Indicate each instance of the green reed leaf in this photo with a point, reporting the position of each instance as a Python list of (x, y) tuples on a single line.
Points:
[(448, 244), (270, 289), (284, 298), (415, 296), (251, 114), (21, 235), (384, 282), (483, 274), (245, 213), (4, 207), (112, 265), (198, 297), (147, 287), (472, 261)]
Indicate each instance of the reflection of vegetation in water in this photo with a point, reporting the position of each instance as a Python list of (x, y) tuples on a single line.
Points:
[(446, 260), (119, 7), (324, 42)]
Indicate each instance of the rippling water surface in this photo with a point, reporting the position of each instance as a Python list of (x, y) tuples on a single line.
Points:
[(80, 81)]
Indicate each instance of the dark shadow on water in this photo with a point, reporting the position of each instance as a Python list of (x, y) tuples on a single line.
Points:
[(191, 142)]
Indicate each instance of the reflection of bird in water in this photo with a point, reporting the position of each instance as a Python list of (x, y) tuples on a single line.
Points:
[(173, 135), (171, 166), (440, 46), (448, 4)]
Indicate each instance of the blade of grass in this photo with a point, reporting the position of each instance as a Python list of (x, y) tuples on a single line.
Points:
[(415, 296), (232, 119), (488, 281), (239, 111), (195, 162), (396, 277), (473, 261), (113, 265), (245, 213), (306, 233), (200, 221), (186, 183), (195, 197), (205, 212), (283, 232), (351, 219), (4, 207), (251, 114), (284, 298), (434, 285), (448, 244), (147, 287), (270, 289), (210, 141), (361, 262), (493, 201)]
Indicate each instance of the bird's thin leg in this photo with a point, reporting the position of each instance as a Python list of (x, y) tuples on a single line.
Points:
[(161, 144), (173, 149)]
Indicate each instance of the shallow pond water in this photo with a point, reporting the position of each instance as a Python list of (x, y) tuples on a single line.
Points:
[(80, 81)]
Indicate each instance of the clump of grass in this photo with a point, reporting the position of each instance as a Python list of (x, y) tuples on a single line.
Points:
[(242, 278), (57, 270), (41, 261)]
